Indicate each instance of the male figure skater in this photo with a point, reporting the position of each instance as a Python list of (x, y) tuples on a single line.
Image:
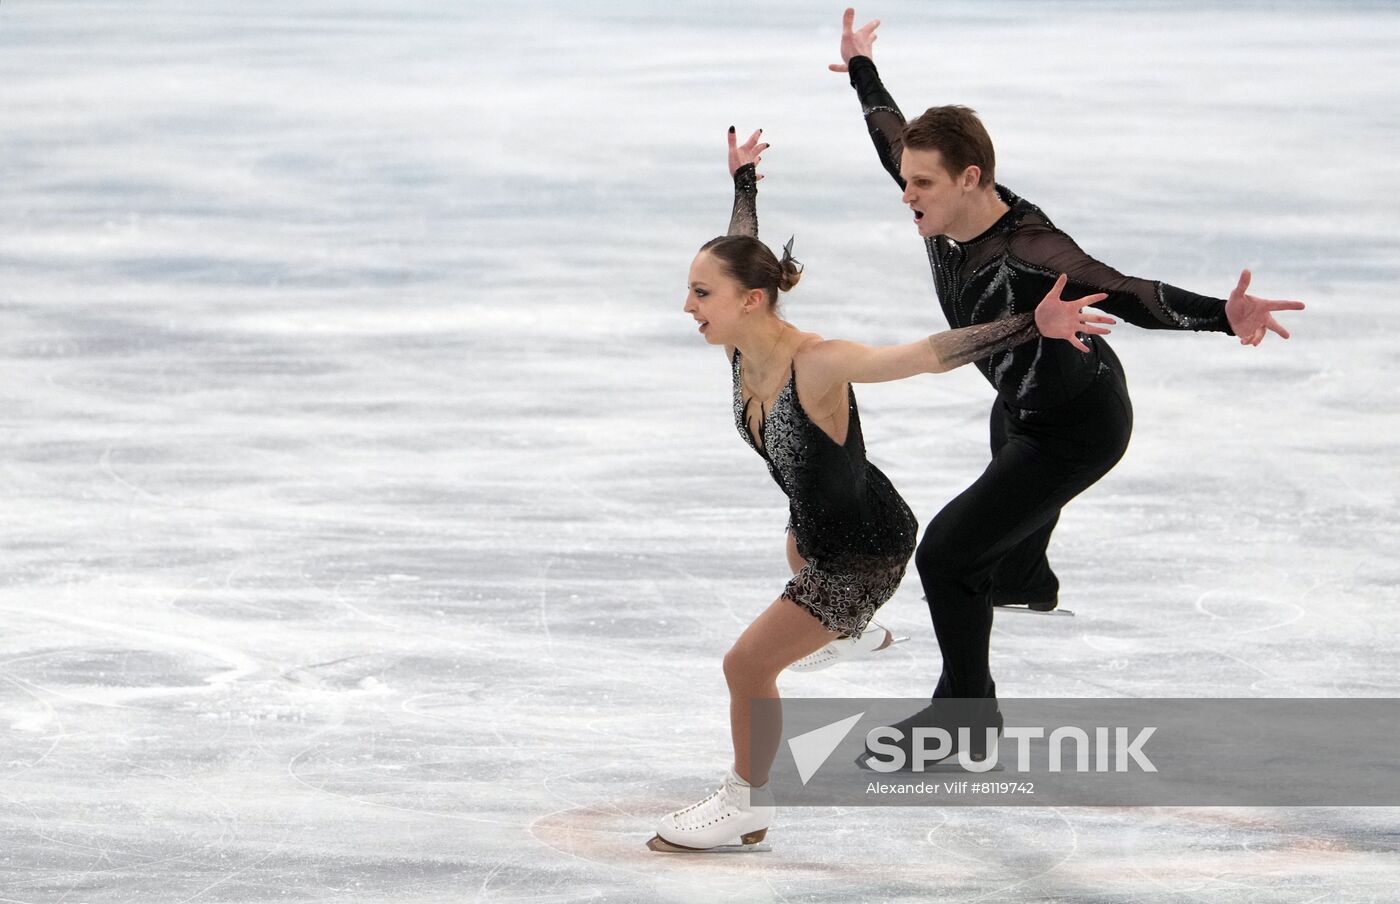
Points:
[(1062, 417)]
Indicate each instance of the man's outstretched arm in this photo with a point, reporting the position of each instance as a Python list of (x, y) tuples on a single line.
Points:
[(1149, 303)]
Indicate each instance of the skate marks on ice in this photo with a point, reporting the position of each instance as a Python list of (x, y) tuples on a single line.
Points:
[(1163, 855), (1251, 640), (161, 664), (1301, 855), (1167, 854), (1235, 614)]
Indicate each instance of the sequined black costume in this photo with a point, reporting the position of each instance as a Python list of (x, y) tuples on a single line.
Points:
[(1061, 421), (850, 524)]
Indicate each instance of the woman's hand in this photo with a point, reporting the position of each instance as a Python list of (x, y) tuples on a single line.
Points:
[(749, 152), (1059, 318)]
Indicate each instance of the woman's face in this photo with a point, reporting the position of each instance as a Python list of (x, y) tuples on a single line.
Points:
[(716, 300)]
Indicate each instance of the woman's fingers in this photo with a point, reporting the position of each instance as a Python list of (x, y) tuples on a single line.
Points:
[(749, 142)]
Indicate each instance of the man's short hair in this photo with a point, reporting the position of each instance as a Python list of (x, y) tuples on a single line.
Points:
[(956, 133)]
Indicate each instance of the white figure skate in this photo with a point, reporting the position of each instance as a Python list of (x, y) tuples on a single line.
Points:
[(732, 819), (876, 638)]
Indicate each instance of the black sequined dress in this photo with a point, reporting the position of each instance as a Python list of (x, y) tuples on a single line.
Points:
[(850, 524)]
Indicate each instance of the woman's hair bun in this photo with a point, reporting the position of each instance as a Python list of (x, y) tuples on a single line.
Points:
[(790, 268)]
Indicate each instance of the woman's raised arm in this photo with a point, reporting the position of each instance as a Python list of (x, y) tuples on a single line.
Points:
[(743, 166)]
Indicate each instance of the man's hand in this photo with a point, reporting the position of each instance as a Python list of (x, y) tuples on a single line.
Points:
[(1058, 318), (855, 43), (748, 152), (1252, 317)]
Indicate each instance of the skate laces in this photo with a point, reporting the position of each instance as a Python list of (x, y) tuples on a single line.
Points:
[(723, 801)]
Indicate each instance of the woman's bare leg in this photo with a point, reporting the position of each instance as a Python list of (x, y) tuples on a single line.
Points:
[(782, 634)]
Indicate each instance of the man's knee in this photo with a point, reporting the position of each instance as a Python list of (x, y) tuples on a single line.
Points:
[(939, 556)]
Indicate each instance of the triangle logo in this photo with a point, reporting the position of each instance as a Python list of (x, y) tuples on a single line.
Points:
[(810, 750)]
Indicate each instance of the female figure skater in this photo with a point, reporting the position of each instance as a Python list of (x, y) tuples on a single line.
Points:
[(850, 534)]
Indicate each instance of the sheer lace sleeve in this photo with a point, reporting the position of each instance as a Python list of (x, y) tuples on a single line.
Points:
[(1141, 302), (744, 219), (973, 343), (882, 116)]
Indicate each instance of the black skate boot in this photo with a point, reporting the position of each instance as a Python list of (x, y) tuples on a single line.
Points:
[(1035, 605)]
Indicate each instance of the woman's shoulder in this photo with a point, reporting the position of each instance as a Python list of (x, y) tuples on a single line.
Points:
[(810, 348), (818, 363)]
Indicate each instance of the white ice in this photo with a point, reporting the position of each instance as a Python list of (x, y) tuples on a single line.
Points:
[(375, 523)]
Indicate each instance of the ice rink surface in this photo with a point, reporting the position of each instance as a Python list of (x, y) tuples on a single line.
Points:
[(375, 522)]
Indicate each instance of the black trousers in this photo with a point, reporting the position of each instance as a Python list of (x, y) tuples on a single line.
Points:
[(995, 532)]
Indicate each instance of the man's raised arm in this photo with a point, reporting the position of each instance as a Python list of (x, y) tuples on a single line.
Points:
[(882, 115)]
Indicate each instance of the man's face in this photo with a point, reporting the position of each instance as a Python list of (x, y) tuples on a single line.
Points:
[(937, 198)]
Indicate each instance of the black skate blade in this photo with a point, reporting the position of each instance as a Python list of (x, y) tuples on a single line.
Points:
[(660, 845)]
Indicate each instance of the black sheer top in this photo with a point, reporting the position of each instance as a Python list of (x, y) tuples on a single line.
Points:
[(1008, 269)]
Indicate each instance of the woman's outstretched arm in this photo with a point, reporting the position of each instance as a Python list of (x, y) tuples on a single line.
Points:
[(1053, 318)]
